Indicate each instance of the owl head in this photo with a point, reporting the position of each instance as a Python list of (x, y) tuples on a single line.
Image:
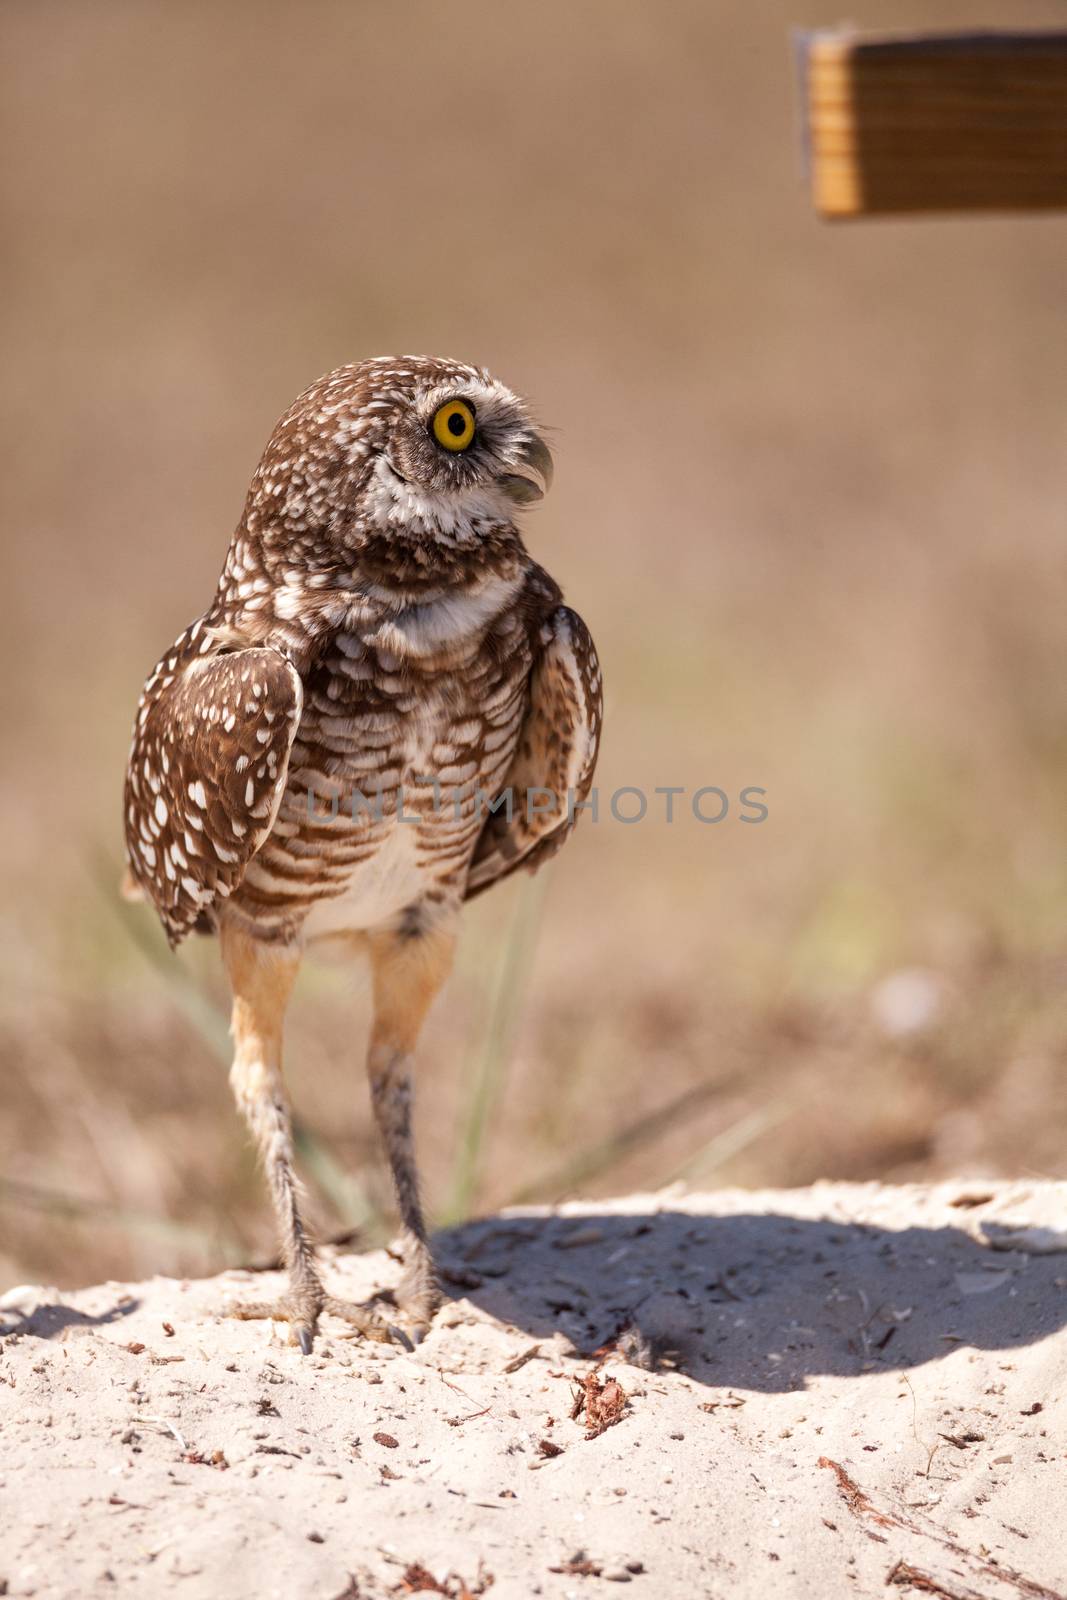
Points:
[(412, 448)]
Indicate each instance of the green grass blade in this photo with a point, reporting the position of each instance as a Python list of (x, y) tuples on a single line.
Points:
[(492, 1058), (599, 1158)]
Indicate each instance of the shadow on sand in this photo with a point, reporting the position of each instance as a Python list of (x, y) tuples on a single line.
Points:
[(760, 1301), (53, 1321)]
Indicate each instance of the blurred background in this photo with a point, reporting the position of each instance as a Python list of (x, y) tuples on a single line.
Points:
[(809, 497)]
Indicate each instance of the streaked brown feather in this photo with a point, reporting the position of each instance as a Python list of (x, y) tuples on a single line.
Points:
[(557, 752)]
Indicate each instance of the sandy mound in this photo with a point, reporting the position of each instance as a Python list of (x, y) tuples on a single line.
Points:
[(849, 1386)]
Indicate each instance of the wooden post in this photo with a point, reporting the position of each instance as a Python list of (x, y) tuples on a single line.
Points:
[(937, 122)]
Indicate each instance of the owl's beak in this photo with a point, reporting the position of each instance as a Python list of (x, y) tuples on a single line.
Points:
[(529, 478)]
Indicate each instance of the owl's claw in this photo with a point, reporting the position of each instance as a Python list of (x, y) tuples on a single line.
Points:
[(363, 1318), (299, 1311), (302, 1311), (418, 1296)]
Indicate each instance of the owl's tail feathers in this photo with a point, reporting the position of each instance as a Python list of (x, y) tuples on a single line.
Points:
[(129, 888)]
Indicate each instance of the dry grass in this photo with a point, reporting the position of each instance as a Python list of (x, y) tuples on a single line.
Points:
[(809, 496)]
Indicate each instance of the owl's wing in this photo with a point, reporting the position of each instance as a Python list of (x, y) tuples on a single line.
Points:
[(552, 771), (206, 774)]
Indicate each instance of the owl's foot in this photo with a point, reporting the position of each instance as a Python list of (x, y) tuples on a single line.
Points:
[(418, 1295), (366, 1321), (299, 1311), (302, 1308)]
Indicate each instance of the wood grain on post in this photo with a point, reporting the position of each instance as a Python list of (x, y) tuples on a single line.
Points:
[(937, 122)]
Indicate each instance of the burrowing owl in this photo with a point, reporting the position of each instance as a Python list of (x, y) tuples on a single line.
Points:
[(384, 710)]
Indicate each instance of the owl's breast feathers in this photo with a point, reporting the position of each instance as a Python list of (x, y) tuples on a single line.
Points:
[(276, 773)]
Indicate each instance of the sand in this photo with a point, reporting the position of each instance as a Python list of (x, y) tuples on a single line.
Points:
[(851, 1386)]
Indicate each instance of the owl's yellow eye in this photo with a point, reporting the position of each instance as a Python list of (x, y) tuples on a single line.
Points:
[(453, 425)]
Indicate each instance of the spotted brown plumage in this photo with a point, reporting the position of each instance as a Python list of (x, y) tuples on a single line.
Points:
[(385, 709), (206, 773)]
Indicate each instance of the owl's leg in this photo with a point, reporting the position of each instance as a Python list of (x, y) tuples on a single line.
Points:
[(408, 969), (262, 977)]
